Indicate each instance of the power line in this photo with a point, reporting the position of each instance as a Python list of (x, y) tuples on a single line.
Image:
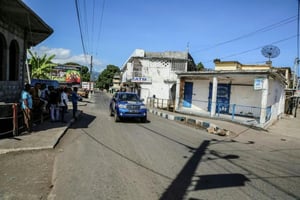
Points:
[(261, 30), (80, 27), (100, 24), (249, 50), (87, 25), (93, 18)]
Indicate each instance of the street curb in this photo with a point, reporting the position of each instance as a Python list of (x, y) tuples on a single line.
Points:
[(208, 126), (67, 127), (6, 151)]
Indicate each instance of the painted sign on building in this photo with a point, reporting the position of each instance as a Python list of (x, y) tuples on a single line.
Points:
[(258, 84), (141, 80), (66, 74)]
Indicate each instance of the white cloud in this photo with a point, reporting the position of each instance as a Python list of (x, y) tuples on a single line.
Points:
[(64, 55)]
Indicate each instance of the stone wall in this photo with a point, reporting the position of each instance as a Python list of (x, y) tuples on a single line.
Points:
[(10, 91)]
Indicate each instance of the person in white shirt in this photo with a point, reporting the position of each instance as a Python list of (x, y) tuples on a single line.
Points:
[(63, 103), (44, 97)]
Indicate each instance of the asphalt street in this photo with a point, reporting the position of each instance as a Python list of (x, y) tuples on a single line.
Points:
[(96, 158)]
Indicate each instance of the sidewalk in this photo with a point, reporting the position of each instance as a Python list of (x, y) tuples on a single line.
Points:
[(44, 136), (47, 134), (288, 126)]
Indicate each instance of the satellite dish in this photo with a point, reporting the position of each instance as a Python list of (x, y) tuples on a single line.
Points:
[(270, 51)]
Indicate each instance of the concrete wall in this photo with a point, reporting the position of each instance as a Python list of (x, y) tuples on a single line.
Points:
[(10, 90), (244, 96), (247, 99), (276, 98), (200, 95)]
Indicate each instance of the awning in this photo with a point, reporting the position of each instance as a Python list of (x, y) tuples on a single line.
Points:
[(15, 12)]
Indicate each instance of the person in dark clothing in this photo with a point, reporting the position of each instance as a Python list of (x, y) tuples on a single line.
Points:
[(74, 99), (53, 102)]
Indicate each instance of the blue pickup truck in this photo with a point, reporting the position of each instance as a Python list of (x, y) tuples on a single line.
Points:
[(127, 105)]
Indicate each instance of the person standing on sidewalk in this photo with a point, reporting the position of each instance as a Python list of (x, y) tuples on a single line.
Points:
[(75, 101), (63, 103), (53, 101), (26, 106)]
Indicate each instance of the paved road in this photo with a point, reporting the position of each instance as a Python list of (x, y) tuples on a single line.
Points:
[(161, 159)]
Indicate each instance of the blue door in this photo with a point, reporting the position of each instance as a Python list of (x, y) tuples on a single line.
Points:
[(188, 93), (223, 98)]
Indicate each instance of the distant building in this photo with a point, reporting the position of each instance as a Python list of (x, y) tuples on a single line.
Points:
[(235, 65), (251, 94), (116, 84), (153, 74)]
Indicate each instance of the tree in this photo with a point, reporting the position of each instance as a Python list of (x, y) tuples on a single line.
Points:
[(200, 66), (85, 73), (105, 79), (40, 66)]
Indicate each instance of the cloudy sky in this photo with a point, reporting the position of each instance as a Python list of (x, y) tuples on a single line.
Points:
[(110, 30)]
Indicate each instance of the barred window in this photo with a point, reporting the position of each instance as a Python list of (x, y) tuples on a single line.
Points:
[(137, 68), (178, 65)]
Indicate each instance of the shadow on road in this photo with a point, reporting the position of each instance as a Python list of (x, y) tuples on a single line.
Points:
[(186, 177), (180, 184), (83, 121), (213, 181)]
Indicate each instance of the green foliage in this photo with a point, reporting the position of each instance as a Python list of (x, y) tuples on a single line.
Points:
[(85, 74), (200, 66), (105, 79), (40, 66)]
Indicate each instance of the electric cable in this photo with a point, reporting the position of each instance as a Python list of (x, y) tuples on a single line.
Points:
[(261, 30), (247, 51), (80, 29)]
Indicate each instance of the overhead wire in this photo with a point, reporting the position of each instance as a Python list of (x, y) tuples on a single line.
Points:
[(100, 25), (87, 25), (93, 21), (80, 27), (249, 50), (261, 30)]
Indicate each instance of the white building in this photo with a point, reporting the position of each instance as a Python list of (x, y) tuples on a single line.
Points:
[(251, 94), (154, 73)]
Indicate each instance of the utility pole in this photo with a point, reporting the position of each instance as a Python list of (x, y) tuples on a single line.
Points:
[(296, 77), (296, 64), (91, 77)]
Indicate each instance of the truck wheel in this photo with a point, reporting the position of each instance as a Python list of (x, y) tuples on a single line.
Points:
[(144, 119), (117, 118), (111, 112)]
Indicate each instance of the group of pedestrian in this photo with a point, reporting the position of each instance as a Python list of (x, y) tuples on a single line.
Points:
[(58, 104), (54, 101)]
